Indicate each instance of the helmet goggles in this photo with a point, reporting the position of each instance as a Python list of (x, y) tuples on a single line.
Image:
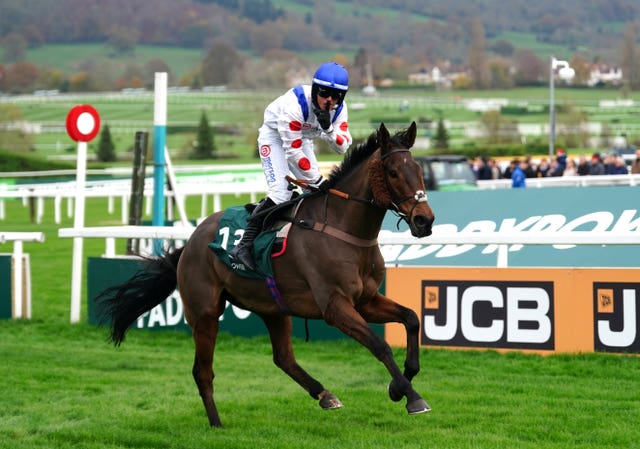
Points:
[(326, 92)]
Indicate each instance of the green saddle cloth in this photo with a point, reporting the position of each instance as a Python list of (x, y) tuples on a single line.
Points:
[(234, 219)]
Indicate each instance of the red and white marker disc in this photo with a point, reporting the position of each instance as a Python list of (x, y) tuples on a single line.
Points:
[(83, 123)]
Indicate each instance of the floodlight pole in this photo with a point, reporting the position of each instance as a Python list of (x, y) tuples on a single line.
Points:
[(552, 109), (567, 73)]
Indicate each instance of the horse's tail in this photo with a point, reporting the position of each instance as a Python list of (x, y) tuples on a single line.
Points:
[(121, 305)]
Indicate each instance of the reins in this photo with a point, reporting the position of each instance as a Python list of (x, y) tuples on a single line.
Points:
[(394, 206), (323, 226)]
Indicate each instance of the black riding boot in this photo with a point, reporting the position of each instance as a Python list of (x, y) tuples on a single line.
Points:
[(243, 251)]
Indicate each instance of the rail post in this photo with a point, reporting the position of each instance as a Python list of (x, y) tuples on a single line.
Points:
[(137, 187)]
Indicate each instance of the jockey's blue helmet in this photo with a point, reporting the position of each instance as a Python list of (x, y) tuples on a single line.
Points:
[(330, 79)]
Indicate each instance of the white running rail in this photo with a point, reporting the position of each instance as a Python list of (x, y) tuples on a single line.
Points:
[(18, 238), (502, 240)]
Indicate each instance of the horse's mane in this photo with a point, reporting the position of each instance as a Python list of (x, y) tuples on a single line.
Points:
[(358, 154), (354, 157)]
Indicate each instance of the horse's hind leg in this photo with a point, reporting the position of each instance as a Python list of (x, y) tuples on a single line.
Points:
[(279, 328), (384, 310), (205, 332)]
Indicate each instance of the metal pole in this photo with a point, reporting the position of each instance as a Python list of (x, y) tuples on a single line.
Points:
[(552, 110), (159, 139), (137, 187)]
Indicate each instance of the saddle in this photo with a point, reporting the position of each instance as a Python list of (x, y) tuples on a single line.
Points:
[(270, 243)]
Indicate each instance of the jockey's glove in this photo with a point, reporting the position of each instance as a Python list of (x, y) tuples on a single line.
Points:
[(324, 119), (321, 184)]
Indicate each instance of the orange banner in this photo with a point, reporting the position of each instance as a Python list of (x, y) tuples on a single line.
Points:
[(542, 310)]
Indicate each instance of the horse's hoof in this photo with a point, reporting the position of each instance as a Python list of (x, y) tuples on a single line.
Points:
[(393, 393), (330, 402), (418, 406)]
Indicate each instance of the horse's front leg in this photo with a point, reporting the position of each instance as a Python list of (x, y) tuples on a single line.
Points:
[(381, 310), (279, 328), (341, 314)]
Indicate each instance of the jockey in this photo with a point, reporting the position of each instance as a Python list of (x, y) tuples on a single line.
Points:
[(285, 141)]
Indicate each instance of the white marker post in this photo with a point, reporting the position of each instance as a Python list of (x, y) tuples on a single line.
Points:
[(83, 124), (159, 142)]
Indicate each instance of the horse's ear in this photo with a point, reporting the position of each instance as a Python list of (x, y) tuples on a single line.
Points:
[(408, 138), (383, 138)]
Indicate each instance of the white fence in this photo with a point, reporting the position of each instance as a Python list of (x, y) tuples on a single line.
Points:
[(223, 183), (502, 240), (566, 181), (20, 297), (196, 186)]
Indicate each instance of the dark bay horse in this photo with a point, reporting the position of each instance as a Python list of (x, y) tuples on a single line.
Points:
[(331, 271)]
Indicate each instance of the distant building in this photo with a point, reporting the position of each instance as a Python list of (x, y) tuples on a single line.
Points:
[(440, 78), (426, 77), (603, 74)]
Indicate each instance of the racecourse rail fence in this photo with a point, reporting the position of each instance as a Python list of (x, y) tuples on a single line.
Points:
[(177, 235), (21, 282), (213, 182)]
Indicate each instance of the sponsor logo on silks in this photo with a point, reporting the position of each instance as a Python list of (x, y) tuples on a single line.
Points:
[(269, 172), (616, 315), (494, 314), (265, 150)]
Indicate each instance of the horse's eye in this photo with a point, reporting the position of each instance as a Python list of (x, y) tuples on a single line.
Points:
[(393, 173)]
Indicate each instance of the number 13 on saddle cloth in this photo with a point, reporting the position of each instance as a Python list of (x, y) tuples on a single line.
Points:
[(269, 244)]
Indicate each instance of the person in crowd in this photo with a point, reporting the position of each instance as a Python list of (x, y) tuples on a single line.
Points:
[(635, 166), (543, 168), (618, 166), (571, 168), (286, 142), (496, 173), (583, 165), (608, 162), (518, 177), (508, 171), (556, 168), (561, 158), (596, 167), (530, 168), (482, 169)]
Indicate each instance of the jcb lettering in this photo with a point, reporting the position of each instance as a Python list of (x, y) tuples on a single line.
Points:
[(488, 314), (616, 317)]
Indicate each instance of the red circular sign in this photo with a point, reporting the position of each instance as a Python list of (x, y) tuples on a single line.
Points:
[(83, 123)]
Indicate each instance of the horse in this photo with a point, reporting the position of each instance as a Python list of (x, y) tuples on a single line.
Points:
[(332, 270)]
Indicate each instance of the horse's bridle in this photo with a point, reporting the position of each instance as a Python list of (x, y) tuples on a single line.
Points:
[(419, 197)]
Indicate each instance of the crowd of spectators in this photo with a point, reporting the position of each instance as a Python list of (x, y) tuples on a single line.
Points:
[(560, 165)]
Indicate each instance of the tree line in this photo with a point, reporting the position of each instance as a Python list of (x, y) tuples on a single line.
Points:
[(256, 43)]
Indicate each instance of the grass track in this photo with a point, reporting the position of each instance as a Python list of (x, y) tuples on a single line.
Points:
[(64, 386)]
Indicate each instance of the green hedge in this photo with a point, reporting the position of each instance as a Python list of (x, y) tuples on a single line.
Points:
[(11, 161)]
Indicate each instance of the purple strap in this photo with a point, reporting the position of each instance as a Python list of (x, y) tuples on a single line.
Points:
[(275, 294)]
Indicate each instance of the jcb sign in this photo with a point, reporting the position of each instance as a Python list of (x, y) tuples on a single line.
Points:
[(617, 315), (542, 310), (488, 314)]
